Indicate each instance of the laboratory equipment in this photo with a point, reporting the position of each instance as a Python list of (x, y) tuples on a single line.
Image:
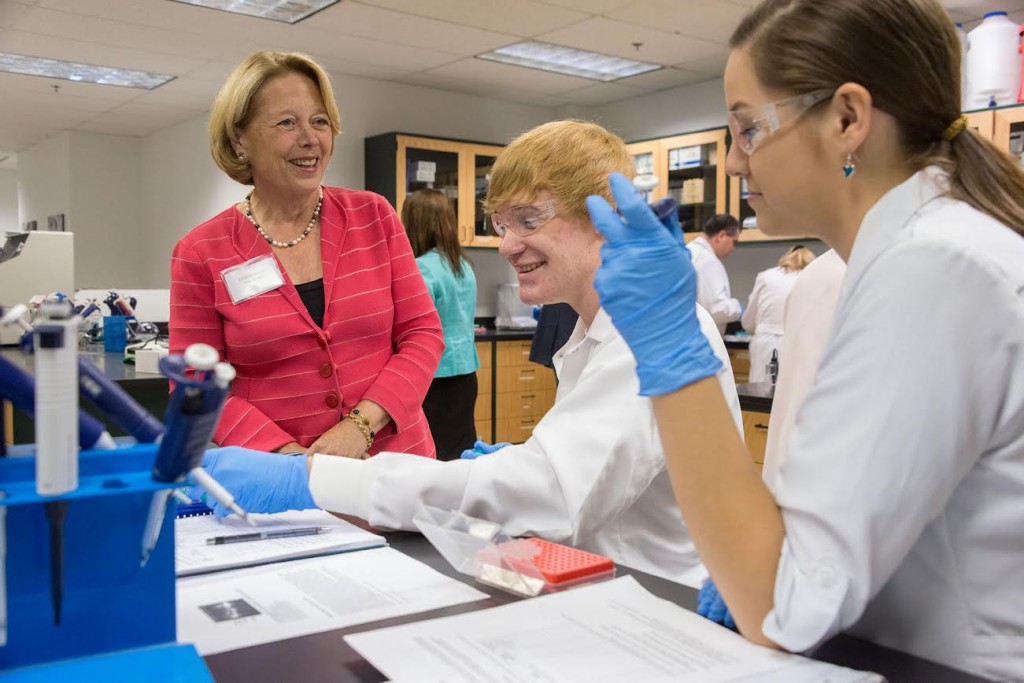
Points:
[(33, 263), (526, 567), (993, 62)]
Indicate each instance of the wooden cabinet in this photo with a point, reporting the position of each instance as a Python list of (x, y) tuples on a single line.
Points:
[(1004, 126), (740, 359), (482, 414), (755, 433), (690, 168), (522, 392), (397, 165)]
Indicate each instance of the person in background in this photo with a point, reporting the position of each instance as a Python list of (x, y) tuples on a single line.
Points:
[(310, 292), (766, 308), (554, 327), (433, 231), (592, 473), (720, 237), (897, 511)]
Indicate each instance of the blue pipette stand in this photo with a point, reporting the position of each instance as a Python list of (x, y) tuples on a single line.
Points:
[(118, 618)]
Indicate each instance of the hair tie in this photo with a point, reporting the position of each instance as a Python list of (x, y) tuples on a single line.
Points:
[(955, 128)]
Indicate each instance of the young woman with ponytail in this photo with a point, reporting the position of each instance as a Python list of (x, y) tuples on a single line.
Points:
[(899, 512)]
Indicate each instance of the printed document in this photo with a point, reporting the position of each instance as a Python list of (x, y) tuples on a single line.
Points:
[(192, 555), (236, 609), (609, 632)]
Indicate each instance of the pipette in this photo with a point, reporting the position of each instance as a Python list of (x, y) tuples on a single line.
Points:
[(201, 386), (56, 403)]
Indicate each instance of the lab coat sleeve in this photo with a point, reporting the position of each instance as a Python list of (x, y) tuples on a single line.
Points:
[(886, 434), (591, 456), (194, 319), (417, 338)]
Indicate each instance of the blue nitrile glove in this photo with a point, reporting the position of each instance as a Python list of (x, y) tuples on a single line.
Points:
[(482, 448), (259, 481), (711, 606), (649, 288)]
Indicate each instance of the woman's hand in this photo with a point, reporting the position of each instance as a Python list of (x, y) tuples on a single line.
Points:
[(342, 439), (291, 448)]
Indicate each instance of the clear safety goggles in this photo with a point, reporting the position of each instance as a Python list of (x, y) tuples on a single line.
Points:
[(751, 126), (524, 220)]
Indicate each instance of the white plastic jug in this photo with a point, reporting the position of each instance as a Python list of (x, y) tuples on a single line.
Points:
[(993, 63), (962, 35)]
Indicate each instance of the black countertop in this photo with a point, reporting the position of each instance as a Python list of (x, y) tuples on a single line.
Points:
[(756, 396), (491, 334)]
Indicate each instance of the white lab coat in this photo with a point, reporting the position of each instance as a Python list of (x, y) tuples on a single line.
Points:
[(592, 474), (763, 318), (809, 312), (902, 490), (713, 291)]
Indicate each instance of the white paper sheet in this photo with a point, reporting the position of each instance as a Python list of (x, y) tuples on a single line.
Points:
[(612, 631), (230, 610), (193, 556)]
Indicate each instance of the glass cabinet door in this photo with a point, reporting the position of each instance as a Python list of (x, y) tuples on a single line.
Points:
[(432, 168), (1008, 131), (695, 175), (479, 232), (647, 159)]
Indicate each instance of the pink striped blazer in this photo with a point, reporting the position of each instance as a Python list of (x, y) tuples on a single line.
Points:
[(381, 338)]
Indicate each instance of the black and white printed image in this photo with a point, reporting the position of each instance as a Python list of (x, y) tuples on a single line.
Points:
[(229, 610)]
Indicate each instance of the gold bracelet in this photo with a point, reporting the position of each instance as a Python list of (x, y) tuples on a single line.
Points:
[(363, 424)]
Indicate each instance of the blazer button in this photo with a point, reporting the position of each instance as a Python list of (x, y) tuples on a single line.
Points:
[(332, 400), (326, 370)]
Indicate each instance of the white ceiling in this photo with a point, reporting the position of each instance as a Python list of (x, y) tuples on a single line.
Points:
[(421, 42)]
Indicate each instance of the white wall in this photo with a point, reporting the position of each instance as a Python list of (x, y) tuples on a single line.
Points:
[(105, 211), (668, 112), (44, 174), (9, 199), (181, 186)]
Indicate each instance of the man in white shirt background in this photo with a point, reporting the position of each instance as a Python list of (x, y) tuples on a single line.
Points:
[(721, 234)]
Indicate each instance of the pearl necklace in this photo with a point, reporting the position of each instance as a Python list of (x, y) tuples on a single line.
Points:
[(305, 233)]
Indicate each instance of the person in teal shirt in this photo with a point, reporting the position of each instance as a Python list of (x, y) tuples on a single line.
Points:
[(429, 220)]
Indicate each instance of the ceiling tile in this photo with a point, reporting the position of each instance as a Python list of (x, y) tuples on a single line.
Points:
[(352, 18), (591, 6), (670, 77), (697, 18), (618, 38), (602, 93), (505, 77), (520, 18)]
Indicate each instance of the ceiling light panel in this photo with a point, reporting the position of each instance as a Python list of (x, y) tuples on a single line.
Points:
[(287, 11), (82, 73), (567, 60)]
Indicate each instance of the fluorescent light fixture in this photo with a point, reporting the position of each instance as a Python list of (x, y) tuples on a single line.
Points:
[(85, 73), (567, 60), (288, 11)]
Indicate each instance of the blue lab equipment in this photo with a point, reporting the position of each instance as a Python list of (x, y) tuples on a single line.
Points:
[(648, 286), (18, 387), (115, 333), (115, 401)]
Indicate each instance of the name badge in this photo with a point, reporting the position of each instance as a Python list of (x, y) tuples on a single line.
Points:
[(252, 278)]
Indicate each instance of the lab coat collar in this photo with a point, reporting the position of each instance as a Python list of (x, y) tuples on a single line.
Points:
[(888, 221), (598, 331), (702, 242)]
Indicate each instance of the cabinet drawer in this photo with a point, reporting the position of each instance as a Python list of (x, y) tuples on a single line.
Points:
[(514, 352), (483, 431), (515, 430), (755, 433), (524, 403), (483, 381), (482, 409), (483, 350), (526, 378)]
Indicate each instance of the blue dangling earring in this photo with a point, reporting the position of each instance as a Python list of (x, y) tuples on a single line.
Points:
[(849, 168)]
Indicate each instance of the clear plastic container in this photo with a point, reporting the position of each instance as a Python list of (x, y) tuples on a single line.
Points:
[(993, 62)]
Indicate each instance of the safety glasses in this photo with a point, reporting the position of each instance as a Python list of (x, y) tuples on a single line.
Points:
[(751, 126), (524, 220)]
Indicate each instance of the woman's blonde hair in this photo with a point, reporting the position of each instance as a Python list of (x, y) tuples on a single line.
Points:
[(796, 259), (234, 105), (907, 55), (430, 223), (570, 159)]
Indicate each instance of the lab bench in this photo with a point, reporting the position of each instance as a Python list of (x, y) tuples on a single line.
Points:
[(327, 657), (755, 406)]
